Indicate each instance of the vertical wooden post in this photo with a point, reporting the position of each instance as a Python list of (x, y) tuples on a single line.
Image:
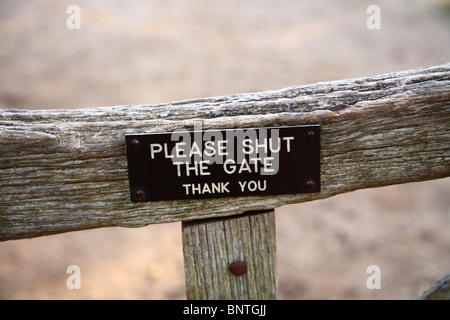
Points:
[(210, 246)]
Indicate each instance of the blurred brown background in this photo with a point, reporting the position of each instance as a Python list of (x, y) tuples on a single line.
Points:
[(144, 52)]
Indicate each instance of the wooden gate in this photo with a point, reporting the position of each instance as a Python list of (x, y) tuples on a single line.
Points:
[(66, 170)]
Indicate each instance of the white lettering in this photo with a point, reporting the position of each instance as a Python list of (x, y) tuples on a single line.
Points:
[(209, 146), (260, 187), (255, 162), (178, 164), (246, 309), (179, 151), (278, 148), (166, 152), (247, 143), (222, 147), (288, 141), (154, 148), (263, 145), (211, 311), (195, 150), (244, 167), (268, 165), (203, 188), (193, 168), (206, 189), (229, 166), (197, 168), (253, 185)]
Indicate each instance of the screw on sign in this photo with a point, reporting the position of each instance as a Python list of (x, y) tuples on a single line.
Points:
[(139, 195), (310, 135), (310, 185), (135, 143)]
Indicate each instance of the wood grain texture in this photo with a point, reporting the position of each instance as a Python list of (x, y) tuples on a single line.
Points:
[(440, 290), (210, 247), (66, 170)]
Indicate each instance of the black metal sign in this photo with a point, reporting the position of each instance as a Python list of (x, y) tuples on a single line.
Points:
[(224, 163)]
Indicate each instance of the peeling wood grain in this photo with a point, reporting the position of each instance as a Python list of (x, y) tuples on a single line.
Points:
[(65, 170)]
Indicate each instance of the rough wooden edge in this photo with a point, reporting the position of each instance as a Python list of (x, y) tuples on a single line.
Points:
[(440, 290)]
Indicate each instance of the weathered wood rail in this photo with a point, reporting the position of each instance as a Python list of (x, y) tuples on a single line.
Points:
[(66, 170)]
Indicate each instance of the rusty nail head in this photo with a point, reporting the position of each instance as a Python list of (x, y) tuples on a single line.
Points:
[(139, 195), (310, 185), (238, 267), (135, 143)]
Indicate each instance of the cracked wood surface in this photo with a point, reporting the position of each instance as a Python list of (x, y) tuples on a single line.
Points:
[(66, 170), (210, 246)]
